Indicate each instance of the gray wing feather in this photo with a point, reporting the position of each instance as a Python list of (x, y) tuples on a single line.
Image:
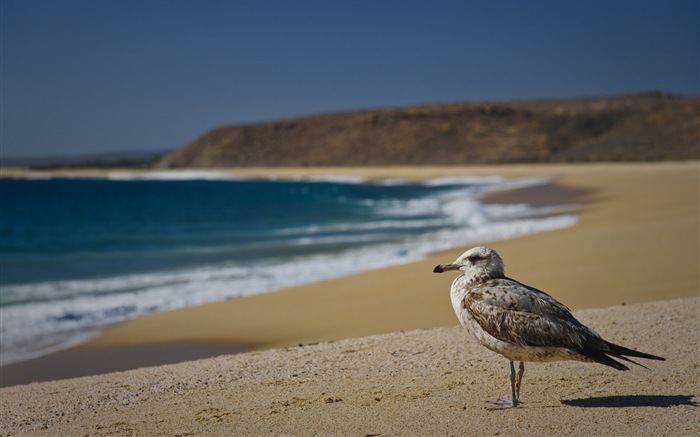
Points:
[(522, 315)]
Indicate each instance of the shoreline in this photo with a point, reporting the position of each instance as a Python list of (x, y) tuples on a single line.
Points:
[(71, 361), (616, 200), (641, 205), (372, 173), (555, 205)]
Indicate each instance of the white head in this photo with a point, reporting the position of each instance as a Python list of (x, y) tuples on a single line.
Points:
[(477, 264)]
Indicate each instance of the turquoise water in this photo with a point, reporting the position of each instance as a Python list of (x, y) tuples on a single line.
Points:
[(79, 229), (78, 254)]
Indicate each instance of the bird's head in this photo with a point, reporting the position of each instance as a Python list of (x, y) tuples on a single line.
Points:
[(478, 263)]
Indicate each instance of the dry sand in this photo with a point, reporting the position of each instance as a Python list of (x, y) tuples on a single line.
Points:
[(637, 240), (422, 382)]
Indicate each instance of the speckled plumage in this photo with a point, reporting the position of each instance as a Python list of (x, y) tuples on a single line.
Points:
[(520, 322)]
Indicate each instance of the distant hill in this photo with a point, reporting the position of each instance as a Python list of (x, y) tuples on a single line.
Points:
[(640, 127)]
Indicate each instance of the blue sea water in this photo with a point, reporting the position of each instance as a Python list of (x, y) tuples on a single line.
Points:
[(79, 254)]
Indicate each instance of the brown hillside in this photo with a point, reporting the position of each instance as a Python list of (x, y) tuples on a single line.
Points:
[(639, 127)]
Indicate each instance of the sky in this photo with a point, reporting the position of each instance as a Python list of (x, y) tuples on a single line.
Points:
[(101, 76)]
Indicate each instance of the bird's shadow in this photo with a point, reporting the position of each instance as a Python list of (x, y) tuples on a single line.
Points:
[(632, 401)]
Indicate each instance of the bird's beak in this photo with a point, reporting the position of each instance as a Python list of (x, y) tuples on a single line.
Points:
[(445, 268)]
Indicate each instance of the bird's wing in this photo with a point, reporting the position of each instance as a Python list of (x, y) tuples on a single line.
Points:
[(522, 315)]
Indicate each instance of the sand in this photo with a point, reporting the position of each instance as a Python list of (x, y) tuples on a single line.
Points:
[(420, 382), (636, 243)]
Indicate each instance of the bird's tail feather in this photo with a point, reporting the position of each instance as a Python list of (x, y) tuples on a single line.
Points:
[(600, 357), (605, 356), (619, 351)]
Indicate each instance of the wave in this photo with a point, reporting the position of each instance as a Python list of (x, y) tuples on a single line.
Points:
[(35, 328), (174, 175), (42, 317)]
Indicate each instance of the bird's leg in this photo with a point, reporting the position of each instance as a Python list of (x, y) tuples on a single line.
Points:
[(502, 404), (513, 385), (518, 383)]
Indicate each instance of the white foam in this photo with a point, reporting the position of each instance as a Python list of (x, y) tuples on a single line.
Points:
[(464, 180), (339, 179), (363, 226), (175, 175)]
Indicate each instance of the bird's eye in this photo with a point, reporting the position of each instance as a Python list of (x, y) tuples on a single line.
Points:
[(473, 258)]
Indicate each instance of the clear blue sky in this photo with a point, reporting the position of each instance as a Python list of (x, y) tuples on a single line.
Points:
[(95, 76)]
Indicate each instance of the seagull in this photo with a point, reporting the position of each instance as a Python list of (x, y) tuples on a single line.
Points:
[(523, 323)]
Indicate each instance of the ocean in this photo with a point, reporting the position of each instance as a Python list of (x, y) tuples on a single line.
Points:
[(77, 255)]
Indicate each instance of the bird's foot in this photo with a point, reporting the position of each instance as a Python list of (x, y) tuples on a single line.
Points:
[(501, 404)]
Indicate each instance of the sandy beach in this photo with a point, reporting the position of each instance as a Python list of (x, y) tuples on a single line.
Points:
[(628, 214), (630, 267)]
